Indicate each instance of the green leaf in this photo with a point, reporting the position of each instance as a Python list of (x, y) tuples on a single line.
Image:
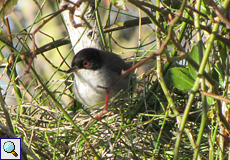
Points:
[(223, 52), (210, 101), (180, 78), (120, 4), (215, 74), (6, 7), (220, 78), (194, 54), (204, 7), (171, 4)]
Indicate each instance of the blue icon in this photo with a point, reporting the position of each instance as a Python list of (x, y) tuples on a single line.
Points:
[(9, 147)]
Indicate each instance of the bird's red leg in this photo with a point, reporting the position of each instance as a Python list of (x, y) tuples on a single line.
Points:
[(99, 116)]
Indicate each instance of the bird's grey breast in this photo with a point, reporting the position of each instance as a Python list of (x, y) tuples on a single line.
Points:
[(86, 84)]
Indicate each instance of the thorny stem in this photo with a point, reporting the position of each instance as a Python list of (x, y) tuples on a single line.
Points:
[(204, 101), (194, 90)]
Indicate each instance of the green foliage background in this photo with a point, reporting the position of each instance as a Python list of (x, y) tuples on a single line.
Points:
[(179, 110)]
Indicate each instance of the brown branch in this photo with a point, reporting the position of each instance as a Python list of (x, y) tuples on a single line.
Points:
[(64, 7), (126, 24), (218, 97), (146, 20), (220, 14), (49, 46)]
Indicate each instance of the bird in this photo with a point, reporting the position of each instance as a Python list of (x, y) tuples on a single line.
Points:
[(94, 70)]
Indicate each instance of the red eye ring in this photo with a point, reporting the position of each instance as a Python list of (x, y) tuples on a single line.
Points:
[(86, 63)]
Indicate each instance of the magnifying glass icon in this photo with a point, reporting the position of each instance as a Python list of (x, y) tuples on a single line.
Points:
[(9, 147)]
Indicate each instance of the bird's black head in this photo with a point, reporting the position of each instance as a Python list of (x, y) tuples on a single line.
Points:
[(88, 58)]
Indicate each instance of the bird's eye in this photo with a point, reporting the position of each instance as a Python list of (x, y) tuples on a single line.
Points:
[(86, 63)]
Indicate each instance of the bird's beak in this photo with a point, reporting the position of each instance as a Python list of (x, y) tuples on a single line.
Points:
[(72, 69)]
